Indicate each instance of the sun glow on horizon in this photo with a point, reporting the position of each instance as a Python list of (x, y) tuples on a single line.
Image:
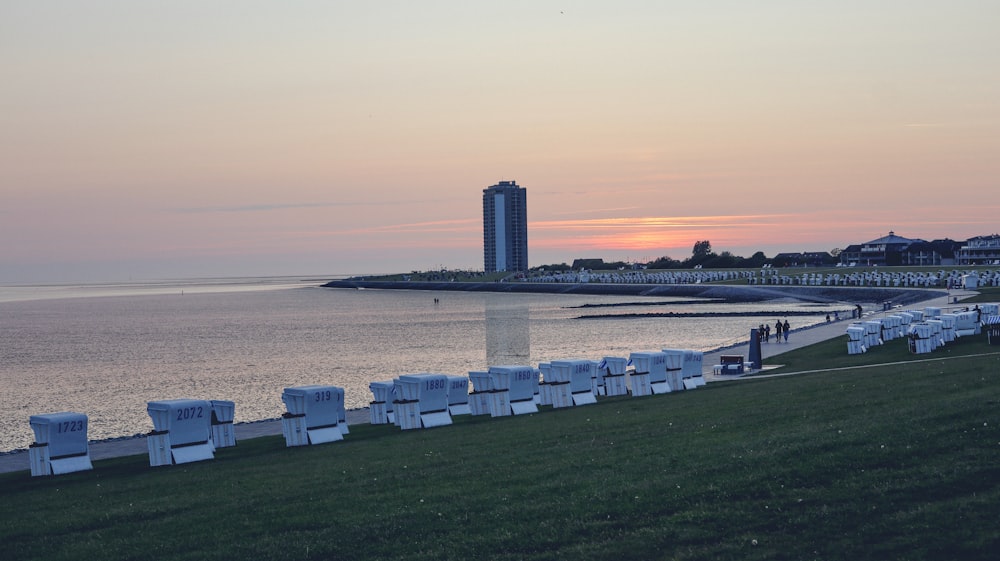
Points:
[(649, 232)]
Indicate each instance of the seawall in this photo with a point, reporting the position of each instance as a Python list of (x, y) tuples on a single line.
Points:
[(724, 292)]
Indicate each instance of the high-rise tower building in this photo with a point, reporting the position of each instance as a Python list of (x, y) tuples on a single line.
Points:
[(505, 228)]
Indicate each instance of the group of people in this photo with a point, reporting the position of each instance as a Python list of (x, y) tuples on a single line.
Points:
[(780, 330)]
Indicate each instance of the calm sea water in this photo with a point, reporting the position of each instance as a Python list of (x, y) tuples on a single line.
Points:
[(107, 350)]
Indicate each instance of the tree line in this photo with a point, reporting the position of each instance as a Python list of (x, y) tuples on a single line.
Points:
[(702, 256)]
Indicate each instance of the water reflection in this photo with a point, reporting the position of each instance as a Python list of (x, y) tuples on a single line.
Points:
[(508, 333)]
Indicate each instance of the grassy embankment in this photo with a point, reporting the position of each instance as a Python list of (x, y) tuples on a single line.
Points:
[(895, 462), (833, 354), (986, 294)]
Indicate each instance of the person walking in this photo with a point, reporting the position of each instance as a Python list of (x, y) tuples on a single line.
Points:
[(785, 329), (777, 331), (767, 333)]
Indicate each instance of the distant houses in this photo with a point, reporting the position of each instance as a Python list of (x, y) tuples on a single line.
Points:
[(890, 250), (896, 250), (981, 250), (893, 250)]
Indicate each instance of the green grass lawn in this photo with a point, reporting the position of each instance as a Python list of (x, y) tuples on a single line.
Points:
[(900, 461), (833, 354), (985, 294)]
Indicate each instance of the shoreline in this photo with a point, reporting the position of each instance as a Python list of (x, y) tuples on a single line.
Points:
[(728, 293)]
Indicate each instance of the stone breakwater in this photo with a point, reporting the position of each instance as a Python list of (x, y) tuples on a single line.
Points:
[(722, 292)]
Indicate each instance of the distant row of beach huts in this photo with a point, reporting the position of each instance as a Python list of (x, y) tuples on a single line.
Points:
[(968, 279)]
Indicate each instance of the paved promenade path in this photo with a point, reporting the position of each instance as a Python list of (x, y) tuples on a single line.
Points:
[(797, 339)]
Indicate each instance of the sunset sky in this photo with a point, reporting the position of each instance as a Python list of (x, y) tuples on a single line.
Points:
[(198, 138)]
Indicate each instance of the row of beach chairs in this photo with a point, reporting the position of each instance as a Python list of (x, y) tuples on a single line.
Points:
[(190, 430), (926, 330), (428, 400), (184, 430)]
